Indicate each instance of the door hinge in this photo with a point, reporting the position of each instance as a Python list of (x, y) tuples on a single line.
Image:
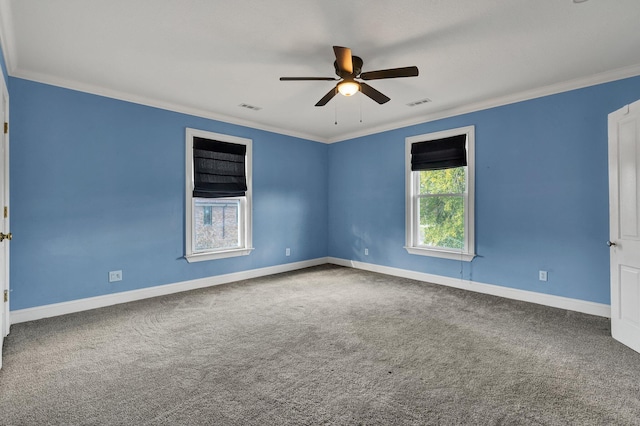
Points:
[(6, 127), (6, 212), (6, 295)]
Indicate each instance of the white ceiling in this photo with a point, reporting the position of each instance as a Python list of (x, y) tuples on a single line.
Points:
[(206, 57)]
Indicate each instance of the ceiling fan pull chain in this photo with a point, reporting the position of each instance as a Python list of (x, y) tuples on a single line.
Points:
[(335, 104), (360, 108)]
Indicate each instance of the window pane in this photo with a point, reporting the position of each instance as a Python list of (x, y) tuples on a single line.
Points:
[(441, 222), (447, 181), (207, 215), (216, 224)]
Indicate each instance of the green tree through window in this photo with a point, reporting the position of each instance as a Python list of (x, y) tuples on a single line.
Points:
[(441, 208)]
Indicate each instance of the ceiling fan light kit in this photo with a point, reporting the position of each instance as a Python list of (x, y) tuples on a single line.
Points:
[(348, 68), (348, 87)]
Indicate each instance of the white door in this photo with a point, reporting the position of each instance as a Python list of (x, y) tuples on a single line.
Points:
[(624, 230)]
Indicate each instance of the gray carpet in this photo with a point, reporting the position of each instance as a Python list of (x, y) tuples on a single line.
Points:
[(325, 345)]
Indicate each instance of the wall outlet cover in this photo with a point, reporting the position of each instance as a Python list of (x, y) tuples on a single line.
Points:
[(115, 276)]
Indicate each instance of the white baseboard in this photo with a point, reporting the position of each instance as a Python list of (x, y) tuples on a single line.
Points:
[(576, 305), (47, 311)]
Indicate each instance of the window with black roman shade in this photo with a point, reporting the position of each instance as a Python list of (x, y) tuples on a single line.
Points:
[(439, 154), (218, 169)]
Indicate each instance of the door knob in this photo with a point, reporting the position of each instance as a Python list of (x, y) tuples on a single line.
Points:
[(610, 244), (5, 236)]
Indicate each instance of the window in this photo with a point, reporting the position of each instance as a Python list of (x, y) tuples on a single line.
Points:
[(440, 194), (218, 196)]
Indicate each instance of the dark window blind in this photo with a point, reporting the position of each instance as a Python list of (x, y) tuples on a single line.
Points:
[(218, 169), (439, 154)]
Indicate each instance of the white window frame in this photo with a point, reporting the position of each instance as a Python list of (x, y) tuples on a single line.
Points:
[(245, 214), (412, 191)]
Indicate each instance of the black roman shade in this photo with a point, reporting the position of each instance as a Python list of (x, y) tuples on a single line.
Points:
[(218, 169), (445, 153)]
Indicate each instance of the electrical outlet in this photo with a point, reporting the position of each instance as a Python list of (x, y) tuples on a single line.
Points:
[(542, 275), (366, 252), (287, 251), (115, 276)]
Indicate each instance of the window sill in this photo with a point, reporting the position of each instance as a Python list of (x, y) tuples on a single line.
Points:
[(200, 257), (455, 255)]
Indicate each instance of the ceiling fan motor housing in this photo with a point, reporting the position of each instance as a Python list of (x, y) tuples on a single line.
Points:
[(357, 68)]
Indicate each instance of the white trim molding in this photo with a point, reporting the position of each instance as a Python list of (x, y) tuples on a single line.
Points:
[(244, 203), (7, 41), (444, 254), (578, 83), (63, 308), (7, 218), (525, 95), (412, 196), (156, 103), (577, 305)]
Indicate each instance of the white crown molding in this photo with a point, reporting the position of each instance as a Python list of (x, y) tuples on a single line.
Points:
[(6, 36), (155, 103), (63, 308), (586, 307), (605, 77), (553, 89)]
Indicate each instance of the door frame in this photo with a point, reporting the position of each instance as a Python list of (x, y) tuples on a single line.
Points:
[(6, 247)]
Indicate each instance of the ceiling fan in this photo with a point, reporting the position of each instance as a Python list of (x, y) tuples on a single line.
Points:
[(349, 68)]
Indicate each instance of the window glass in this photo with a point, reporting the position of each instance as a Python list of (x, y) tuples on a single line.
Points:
[(442, 221), (206, 213), (222, 229), (447, 181)]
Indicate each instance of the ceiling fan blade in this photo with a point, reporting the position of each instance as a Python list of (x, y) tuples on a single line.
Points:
[(343, 59), (326, 98), (308, 79), (373, 94), (390, 73)]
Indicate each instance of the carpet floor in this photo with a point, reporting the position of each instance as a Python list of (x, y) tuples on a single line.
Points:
[(321, 346)]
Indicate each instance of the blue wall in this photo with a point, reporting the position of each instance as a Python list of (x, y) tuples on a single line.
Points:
[(541, 194), (98, 184)]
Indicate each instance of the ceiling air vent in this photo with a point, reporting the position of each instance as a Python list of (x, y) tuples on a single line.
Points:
[(420, 102), (247, 106)]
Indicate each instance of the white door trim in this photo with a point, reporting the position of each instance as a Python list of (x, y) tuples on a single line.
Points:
[(4, 269)]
